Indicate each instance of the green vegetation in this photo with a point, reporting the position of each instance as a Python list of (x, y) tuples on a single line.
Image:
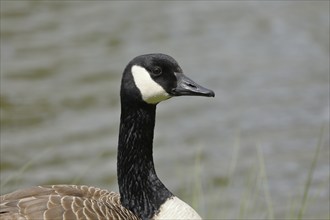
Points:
[(256, 186)]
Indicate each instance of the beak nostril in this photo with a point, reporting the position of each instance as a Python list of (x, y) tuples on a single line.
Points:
[(192, 85)]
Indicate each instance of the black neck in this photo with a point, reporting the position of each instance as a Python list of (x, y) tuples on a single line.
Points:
[(140, 189)]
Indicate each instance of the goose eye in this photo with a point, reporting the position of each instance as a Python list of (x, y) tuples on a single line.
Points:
[(157, 71)]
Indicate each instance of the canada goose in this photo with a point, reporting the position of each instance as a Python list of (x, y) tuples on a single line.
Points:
[(147, 80)]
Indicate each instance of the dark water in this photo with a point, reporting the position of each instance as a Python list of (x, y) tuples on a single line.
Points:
[(268, 62)]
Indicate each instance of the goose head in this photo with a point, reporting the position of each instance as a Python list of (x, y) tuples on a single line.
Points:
[(152, 78)]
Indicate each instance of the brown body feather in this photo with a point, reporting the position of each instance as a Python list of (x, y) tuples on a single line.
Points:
[(63, 202)]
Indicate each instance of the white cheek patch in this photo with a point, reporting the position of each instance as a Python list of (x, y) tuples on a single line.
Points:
[(151, 91), (175, 208)]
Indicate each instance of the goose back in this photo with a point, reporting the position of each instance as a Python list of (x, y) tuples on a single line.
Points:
[(63, 202)]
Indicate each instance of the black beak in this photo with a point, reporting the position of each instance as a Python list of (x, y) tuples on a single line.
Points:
[(187, 87)]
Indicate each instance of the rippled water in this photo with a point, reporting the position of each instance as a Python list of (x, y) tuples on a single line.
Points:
[(268, 62)]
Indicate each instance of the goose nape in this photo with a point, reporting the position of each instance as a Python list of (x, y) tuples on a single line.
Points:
[(147, 80)]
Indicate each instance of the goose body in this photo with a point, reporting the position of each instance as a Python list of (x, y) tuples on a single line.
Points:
[(147, 80)]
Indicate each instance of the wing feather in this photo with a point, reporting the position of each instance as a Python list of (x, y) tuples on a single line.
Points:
[(63, 202)]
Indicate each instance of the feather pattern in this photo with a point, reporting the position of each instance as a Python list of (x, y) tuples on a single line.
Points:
[(63, 202)]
